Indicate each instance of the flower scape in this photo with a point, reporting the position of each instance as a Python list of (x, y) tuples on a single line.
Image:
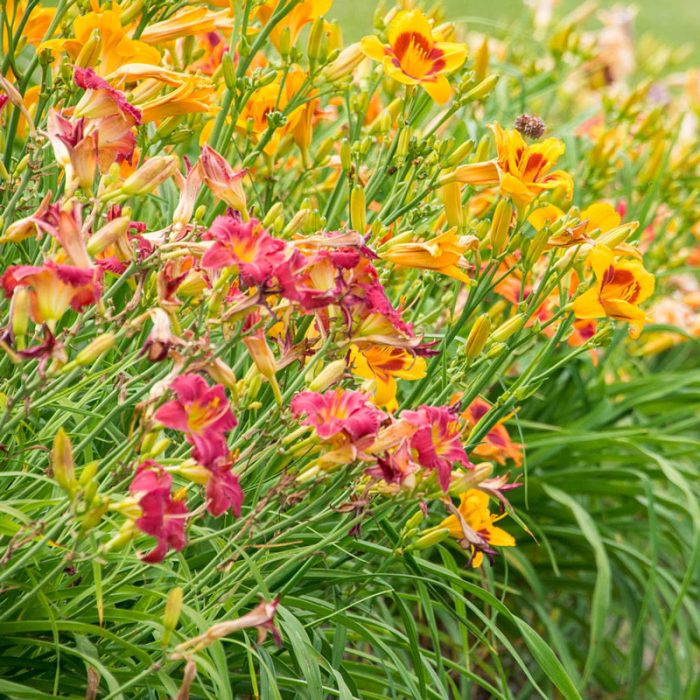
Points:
[(346, 369)]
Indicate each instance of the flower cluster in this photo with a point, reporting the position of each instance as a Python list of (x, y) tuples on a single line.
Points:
[(348, 246)]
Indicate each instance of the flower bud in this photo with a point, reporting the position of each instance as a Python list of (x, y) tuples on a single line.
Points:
[(478, 335), (265, 362), (346, 62), (19, 314), (62, 463), (229, 71), (500, 226), (328, 376), (345, 156), (451, 195), (508, 328), (481, 90), (431, 537), (403, 143), (481, 60), (87, 473), (93, 350), (617, 235), (471, 478), (358, 209), (90, 53), (314, 43), (108, 234), (460, 153), (171, 615), (149, 176), (221, 373)]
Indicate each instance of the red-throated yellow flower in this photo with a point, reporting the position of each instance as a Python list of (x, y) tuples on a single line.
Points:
[(523, 171), (415, 55), (619, 287), (442, 253), (475, 528), (383, 364)]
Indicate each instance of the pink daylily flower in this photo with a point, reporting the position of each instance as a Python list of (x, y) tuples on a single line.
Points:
[(248, 246), (436, 440), (223, 492), (338, 411), (162, 516), (53, 288), (101, 99), (201, 412), (222, 179)]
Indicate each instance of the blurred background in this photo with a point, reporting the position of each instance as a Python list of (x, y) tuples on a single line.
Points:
[(674, 22)]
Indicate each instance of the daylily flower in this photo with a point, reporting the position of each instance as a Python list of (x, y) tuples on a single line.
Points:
[(223, 492), (248, 246), (497, 444), (116, 47), (415, 55), (53, 288), (619, 287), (523, 171), (444, 254), (101, 99), (162, 516), (474, 527), (288, 28), (223, 180), (436, 439), (185, 22), (383, 364), (203, 413), (338, 411)]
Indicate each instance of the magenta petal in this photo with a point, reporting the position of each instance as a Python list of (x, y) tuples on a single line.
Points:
[(172, 415), (217, 257), (189, 387)]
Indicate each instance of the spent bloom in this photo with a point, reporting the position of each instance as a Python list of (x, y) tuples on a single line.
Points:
[(415, 55)]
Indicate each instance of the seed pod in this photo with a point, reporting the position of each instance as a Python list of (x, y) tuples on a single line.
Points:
[(478, 336)]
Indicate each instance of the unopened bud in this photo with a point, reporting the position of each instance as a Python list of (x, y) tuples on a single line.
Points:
[(171, 615), (617, 235), (500, 226), (358, 209), (346, 62), (90, 52), (107, 235), (313, 45), (507, 329), (451, 195), (150, 175), (62, 463), (481, 60), (93, 350), (481, 90), (430, 538), (19, 315), (460, 153), (478, 335), (328, 376), (229, 71)]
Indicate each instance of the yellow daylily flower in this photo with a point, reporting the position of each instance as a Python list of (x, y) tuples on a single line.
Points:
[(600, 216), (620, 286), (444, 254), (474, 509), (415, 54), (116, 46), (522, 171), (383, 364)]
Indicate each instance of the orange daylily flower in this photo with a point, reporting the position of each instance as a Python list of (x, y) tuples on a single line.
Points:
[(522, 171), (474, 509), (444, 254), (383, 364), (415, 55), (497, 445), (186, 22), (116, 46), (620, 286), (293, 22)]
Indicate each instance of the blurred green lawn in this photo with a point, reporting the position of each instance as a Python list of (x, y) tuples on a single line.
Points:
[(674, 22)]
